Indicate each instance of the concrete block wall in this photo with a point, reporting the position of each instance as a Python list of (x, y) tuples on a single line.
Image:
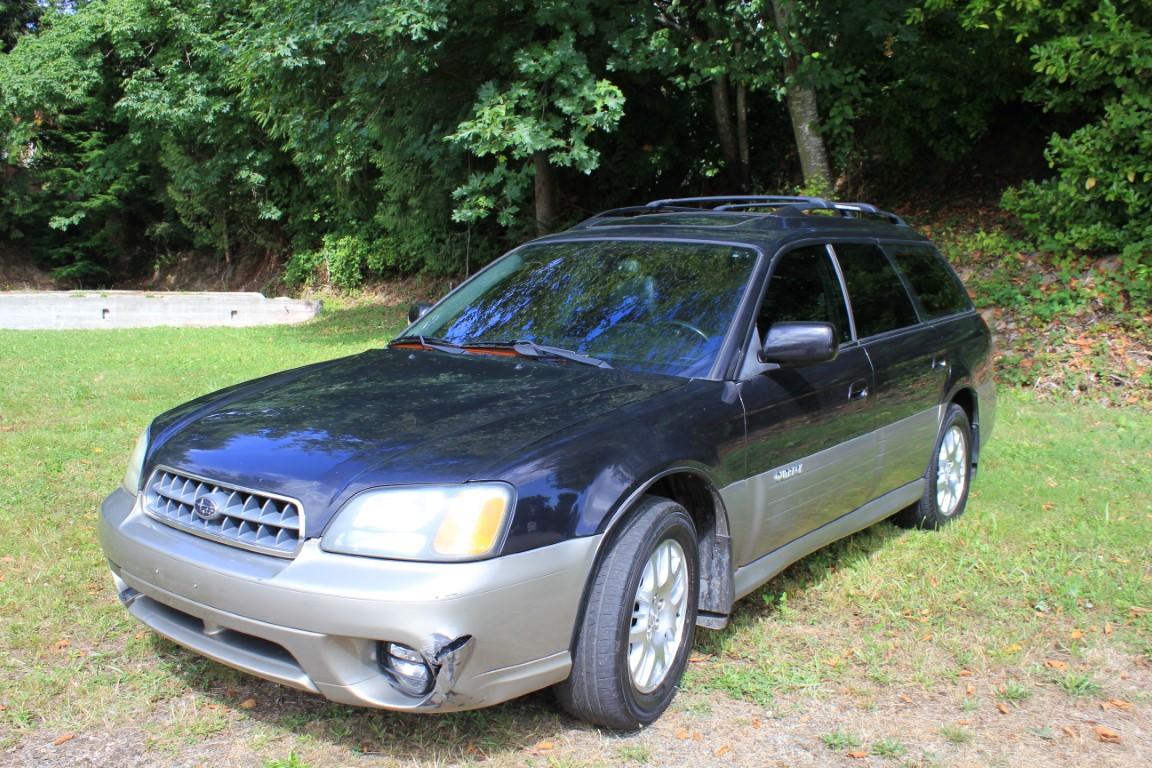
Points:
[(138, 309)]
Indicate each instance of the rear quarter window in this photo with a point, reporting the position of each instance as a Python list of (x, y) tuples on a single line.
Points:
[(936, 286)]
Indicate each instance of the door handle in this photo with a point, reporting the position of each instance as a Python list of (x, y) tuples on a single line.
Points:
[(939, 362), (858, 390)]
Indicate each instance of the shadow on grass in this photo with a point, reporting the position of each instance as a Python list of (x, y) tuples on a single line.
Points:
[(510, 727), (407, 737), (809, 572), (754, 661)]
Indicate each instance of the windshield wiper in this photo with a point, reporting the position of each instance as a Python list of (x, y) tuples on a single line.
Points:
[(428, 342), (531, 349)]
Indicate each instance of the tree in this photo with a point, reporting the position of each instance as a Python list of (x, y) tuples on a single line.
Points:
[(802, 102), (1091, 58)]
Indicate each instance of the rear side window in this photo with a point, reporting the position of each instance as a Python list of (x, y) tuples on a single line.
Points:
[(937, 286), (879, 301)]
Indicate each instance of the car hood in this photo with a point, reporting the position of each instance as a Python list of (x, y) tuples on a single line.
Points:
[(323, 433)]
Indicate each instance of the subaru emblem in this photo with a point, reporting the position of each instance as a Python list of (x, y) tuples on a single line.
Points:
[(206, 509)]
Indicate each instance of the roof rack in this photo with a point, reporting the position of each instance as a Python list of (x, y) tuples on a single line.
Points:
[(783, 205)]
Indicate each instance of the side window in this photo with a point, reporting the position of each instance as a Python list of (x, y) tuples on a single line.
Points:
[(939, 290), (879, 301), (804, 287)]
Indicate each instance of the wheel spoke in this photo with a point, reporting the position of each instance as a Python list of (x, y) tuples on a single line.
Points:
[(951, 471), (659, 609)]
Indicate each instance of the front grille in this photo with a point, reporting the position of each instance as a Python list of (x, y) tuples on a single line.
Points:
[(227, 514)]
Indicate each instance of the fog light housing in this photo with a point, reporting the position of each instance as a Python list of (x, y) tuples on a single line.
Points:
[(405, 667)]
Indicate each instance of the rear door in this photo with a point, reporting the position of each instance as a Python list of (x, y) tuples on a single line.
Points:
[(903, 352), (809, 451)]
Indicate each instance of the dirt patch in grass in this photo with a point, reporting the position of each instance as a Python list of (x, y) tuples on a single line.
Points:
[(966, 723)]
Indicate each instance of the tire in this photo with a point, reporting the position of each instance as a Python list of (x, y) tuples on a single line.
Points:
[(948, 477), (641, 609)]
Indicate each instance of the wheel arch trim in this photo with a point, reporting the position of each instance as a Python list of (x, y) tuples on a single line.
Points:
[(717, 580)]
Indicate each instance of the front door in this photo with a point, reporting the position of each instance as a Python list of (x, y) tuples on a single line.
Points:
[(809, 447)]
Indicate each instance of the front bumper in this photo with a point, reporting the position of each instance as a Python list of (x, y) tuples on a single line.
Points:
[(493, 630)]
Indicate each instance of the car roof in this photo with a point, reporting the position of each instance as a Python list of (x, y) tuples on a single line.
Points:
[(756, 219)]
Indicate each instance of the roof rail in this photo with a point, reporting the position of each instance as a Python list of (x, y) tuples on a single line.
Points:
[(736, 202), (749, 203), (632, 210), (786, 205)]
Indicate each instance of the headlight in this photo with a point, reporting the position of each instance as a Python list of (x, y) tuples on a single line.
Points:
[(136, 464), (456, 522)]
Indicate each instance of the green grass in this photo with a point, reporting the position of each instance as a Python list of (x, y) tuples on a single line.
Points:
[(1052, 550), (888, 748), (956, 734), (1076, 684), (71, 404), (839, 740)]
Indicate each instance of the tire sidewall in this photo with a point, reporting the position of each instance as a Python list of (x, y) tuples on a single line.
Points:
[(674, 524), (953, 417)]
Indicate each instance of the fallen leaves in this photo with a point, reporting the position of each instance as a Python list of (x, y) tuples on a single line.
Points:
[(544, 746), (62, 738), (1106, 734), (858, 754), (722, 751), (1120, 704), (248, 704), (1056, 664), (1002, 707)]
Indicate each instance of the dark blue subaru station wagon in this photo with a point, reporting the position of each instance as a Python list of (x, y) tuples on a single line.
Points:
[(599, 442)]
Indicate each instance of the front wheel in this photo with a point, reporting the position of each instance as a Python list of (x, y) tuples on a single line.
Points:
[(633, 640), (948, 477)]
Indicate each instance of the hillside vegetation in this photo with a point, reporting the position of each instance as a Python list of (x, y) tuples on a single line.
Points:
[(333, 143)]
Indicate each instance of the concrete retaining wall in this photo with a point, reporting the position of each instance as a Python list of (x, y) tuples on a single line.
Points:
[(138, 309)]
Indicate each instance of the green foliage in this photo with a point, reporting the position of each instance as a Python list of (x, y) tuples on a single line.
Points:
[(1091, 58), (377, 137), (341, 261), (17, 17), (128, 138), (552, 108)]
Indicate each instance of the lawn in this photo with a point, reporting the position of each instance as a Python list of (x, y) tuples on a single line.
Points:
[(1011, 637)]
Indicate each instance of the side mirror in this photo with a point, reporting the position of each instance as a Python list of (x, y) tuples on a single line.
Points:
[(418, 310), (793, 344)]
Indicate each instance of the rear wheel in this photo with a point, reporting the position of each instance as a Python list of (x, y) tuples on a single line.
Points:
[(948, 476), (633, 640)]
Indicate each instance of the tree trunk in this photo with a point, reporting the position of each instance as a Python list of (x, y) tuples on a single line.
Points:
[(545, 191), (803, 109), (726, 132), (742, 136)]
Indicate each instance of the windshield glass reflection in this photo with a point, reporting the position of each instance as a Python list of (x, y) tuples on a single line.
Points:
[(654, 307)]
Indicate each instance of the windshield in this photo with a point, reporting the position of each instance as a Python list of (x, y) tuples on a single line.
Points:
[(651, 306)]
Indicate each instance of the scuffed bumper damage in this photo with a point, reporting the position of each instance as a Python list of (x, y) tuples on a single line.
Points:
[(487, 631)]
